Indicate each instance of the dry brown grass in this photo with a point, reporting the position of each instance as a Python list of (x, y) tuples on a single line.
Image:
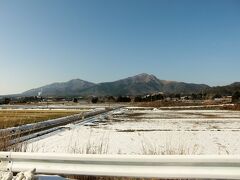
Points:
[(171, 103), (166, 104), (13, 118), (235, 107), (147, 149)]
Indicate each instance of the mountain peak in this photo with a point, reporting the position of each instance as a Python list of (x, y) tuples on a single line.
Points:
[(143, 74), (71, 87), (144, 77)]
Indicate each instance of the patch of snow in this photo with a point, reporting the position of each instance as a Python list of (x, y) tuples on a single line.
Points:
[(90, 124), (164, 131)]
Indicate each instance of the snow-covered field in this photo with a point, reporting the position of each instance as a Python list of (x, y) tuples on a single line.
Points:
[(133, 131)]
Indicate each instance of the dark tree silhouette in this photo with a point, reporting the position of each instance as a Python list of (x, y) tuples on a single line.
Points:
[(236, 97)]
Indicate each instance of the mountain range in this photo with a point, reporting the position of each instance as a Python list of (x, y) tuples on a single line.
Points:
[(136, 85), (224, 90)]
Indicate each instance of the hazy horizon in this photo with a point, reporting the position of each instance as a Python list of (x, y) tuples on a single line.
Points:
[(43, 42)]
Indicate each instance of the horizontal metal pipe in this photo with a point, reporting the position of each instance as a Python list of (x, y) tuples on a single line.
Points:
[(154, 166), (18, 134)]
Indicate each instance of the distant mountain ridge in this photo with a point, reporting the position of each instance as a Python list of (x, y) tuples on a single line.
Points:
[(142, 84), (135, 85), (69, 88), (224, 90)]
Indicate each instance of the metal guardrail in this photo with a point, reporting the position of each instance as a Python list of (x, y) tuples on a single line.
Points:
[(49, 123), (22, 133), (154, 166)]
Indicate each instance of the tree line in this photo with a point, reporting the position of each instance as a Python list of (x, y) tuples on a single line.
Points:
[(235, 98)]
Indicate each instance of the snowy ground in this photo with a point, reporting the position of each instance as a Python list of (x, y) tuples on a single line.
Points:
[(133, 131)]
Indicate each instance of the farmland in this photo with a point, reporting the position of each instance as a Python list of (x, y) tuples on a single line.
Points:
[(133, 130), (17, 117)]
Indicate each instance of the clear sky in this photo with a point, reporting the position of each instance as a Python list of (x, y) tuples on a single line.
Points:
[(45, 41)]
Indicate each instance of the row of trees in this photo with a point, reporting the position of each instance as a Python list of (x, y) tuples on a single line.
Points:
[(146, 98), (95, 99)]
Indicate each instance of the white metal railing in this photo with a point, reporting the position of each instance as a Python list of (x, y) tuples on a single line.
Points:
[(155, 166), (13, 135)]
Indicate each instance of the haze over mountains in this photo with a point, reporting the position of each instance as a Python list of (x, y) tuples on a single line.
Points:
[(135, 85)]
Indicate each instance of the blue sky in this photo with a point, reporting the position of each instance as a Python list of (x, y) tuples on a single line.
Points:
[(49, 41)]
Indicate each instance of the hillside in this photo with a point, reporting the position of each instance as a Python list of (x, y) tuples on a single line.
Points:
[(139, 84), (142, 84), (69, 88), (135, 85), (224, 90)]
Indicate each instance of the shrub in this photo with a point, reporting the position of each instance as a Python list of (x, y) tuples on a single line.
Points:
[(236, 97)]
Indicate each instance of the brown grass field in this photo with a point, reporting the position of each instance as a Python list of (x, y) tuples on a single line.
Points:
[(13, 118), (235, 107)]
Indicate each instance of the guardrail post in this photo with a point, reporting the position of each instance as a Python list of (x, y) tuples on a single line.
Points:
[(5, 163), (5, 167)]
